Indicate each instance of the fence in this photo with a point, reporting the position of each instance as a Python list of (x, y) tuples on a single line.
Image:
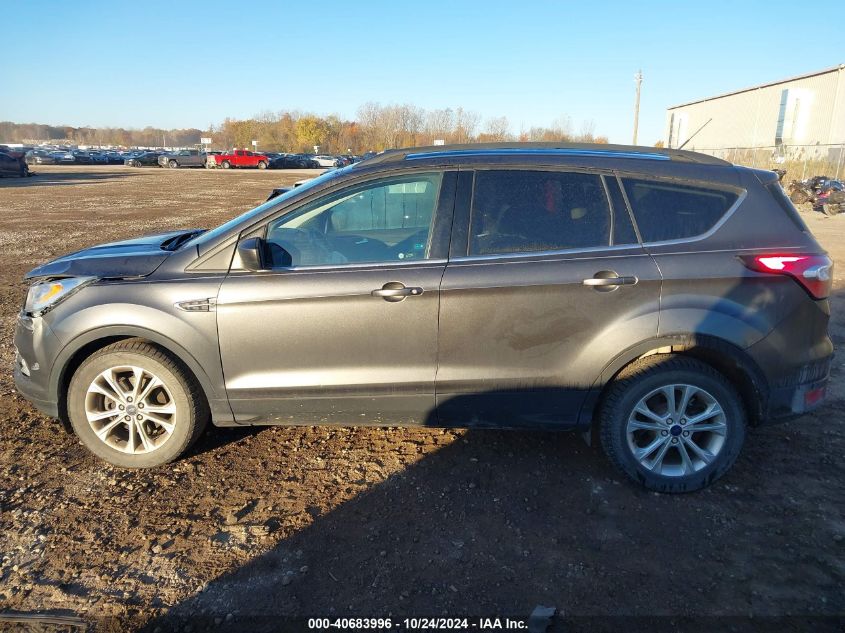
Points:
[(799, 161)]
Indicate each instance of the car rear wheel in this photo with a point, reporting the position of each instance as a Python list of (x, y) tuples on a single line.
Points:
[(672, 423), (134, 406), (830, 209), (225, 164), (173, 164), (262, 165)]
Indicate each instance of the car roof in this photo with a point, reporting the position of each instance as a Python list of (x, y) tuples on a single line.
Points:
[(547, 150)]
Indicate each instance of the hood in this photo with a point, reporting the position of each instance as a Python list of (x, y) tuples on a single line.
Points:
[(130, 258)]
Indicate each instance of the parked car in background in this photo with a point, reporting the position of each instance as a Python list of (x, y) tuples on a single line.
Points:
[(82, 158), (304, 161), (280, 161), (240, 158), (146, 159), (63, 157), (15, 152), (13, 165), (39, 157), (324, 160), (182, 158), (288, 161)]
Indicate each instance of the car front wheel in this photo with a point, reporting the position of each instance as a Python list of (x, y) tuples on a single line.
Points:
[(133, 405), (672, 423)]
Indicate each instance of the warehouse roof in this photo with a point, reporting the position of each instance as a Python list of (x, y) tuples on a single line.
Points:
[(773, 83)]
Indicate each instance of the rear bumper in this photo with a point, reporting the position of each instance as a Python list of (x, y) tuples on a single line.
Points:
[(808, 393)]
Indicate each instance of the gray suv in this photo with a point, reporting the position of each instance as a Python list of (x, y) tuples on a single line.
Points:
[(661, 301), (183, 158)]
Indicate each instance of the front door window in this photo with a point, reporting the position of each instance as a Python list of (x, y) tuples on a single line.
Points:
[(388, 220)]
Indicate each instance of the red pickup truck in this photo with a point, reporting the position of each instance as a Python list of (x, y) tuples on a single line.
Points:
[(241, 158)]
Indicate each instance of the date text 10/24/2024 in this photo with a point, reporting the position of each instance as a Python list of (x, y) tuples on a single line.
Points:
[(421, 624)]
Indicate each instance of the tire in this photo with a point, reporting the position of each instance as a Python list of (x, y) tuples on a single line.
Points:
[(642, 381), (173, 164), (830, 209), (179, 391), (225, 164), (262, 165), (798, 197)]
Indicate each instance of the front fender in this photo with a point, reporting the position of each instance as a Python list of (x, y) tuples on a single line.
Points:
[(103, 312)]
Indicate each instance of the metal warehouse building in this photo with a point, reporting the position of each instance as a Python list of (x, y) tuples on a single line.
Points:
[(797, 119)]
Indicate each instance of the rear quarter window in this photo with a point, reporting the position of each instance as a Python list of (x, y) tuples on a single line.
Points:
[(670, 211)]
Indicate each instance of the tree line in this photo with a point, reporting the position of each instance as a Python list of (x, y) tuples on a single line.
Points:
[(147, 137), (376, 127)]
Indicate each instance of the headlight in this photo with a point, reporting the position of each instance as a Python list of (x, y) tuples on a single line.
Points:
[(45, 295)]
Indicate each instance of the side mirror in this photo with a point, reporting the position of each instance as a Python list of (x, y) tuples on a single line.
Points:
[(252, 253)]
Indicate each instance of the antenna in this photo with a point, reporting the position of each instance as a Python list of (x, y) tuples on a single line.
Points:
[(696, 132)]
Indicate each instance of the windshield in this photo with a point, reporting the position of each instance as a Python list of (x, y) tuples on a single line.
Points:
[(213, 234)]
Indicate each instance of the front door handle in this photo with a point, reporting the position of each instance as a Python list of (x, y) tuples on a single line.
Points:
[(394, 291), (610, 281), (607, 280)]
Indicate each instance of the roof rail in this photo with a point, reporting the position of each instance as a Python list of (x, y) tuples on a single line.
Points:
[(637, 152)]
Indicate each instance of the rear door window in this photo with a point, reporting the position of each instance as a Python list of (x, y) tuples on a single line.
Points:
[(670, 211), (518, 211)]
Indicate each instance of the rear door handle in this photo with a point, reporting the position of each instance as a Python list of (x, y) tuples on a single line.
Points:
[(610, 281), (395, 291)]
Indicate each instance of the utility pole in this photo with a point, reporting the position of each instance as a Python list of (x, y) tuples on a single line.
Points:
[(639, 79)]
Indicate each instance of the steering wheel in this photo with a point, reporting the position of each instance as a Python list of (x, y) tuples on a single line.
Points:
[(305, 243)]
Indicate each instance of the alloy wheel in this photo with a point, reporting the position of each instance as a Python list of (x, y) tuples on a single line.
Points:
[(130, 409), (676, 430)]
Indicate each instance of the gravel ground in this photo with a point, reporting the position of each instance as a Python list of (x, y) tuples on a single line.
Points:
[(258, 525)]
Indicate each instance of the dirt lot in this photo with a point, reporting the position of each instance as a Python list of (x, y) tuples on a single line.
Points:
[(258, 525)]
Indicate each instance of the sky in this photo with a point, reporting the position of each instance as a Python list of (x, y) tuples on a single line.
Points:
[(186, 63)]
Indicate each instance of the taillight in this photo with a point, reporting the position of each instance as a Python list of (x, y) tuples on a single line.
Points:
[(813, 272)]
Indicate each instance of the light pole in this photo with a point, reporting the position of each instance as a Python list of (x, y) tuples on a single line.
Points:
[(639, 79)]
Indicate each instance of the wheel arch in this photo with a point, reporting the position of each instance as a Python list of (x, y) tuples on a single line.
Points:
[(725, 357), (80, 348)]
